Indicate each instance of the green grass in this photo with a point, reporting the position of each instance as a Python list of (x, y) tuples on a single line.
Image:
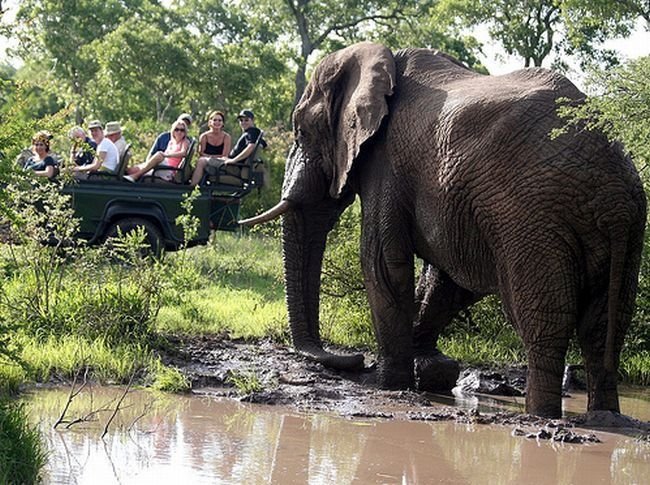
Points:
[(635, 368), (22, 454), (246, 382), (239, 291), (231, 287)]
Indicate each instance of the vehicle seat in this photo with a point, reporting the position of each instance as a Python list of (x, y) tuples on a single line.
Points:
[(181, 174), (251, 171), (119, 171)]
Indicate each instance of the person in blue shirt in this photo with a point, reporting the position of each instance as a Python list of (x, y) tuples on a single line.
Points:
[(83, 147), (160, 145)]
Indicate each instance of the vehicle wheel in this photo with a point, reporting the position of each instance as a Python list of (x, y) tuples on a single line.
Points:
[(153, 237)]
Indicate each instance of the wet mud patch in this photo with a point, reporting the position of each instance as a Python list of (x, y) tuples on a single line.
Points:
[(287, 378)]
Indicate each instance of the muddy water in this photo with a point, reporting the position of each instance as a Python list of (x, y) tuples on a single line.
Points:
[(161, 439)]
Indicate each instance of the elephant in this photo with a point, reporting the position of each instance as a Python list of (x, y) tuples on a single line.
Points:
[(459, 169)]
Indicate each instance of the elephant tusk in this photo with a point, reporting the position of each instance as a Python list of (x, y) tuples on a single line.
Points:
[(274, 212)]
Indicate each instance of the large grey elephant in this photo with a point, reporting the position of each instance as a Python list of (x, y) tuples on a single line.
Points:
[(458, 168)]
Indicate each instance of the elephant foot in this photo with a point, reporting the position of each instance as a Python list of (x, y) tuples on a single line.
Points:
[(435, 372), (394, 376)]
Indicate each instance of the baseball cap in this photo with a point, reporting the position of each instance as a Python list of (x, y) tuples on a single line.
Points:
[(246, 113)]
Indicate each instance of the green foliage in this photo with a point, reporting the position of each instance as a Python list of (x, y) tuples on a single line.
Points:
[(635, 367), (246, 382), (619, 106), (22, 455), (345, 315), (482, 334), (235, 288), (169, 379)]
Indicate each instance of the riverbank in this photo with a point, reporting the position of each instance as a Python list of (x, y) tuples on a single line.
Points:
[(266, 372)]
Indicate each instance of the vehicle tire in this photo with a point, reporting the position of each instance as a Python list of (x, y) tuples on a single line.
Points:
[(153, 235)]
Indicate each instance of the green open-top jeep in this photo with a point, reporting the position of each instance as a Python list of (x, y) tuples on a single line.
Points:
[(108, 204)]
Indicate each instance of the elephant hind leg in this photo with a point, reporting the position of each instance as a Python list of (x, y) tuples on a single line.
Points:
[(592, 334), (438, 301), (543, 309)]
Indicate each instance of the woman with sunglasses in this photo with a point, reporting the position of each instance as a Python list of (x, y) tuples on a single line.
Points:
[(41, 162), (172, 157)]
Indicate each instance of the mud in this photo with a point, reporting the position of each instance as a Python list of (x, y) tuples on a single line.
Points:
[(288, 379)]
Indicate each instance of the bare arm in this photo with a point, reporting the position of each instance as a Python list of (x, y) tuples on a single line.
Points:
[(227, 144), (181, 153), (243, 155), (48, 172), (202, 142), (97, 163)]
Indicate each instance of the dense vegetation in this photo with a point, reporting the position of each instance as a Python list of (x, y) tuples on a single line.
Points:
[(69, 310)]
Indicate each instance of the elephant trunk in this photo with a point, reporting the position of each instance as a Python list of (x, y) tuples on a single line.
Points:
[(304, 233)]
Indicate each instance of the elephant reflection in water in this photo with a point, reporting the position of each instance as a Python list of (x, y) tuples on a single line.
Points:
[(458, 168)]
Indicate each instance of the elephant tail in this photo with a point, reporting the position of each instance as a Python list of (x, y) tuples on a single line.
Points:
[(619, 246)]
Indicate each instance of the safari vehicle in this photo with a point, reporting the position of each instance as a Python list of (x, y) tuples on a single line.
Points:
[(108, 204)]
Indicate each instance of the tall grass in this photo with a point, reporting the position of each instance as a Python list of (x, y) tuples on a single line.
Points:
[(22, 454)]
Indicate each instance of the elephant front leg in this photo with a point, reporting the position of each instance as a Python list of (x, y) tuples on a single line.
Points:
[(438, 300), (388, 274)]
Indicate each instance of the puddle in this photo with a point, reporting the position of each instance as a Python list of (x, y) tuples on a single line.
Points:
[(164, 439), (634, 401)]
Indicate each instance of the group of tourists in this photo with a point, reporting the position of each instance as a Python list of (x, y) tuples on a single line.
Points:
[(103, 150)]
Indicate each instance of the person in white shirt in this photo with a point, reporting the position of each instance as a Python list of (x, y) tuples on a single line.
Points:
[(107, 156)]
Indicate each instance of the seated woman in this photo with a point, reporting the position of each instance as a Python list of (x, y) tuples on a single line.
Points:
[(42, 163), (214, 144), (176, 150)]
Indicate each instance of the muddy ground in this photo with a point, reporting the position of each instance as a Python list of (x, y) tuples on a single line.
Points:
[(288, 379)]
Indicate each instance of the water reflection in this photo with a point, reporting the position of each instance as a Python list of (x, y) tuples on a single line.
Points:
[(194, 440), (634, 401)]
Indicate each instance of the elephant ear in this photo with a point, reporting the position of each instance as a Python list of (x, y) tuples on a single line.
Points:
[(352, 85)]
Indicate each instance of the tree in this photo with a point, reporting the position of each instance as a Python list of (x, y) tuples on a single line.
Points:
[(431, 24), (525, 28), (54, 36), (620, 106), (148, 68), (532, 29), (311, 24)]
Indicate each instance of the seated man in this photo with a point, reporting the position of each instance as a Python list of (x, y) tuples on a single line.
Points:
[(160, 145), (114, 133), (83, 148), (240, 152), (106, 158)]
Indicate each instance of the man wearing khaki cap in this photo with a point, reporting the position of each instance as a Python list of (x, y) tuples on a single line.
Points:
[(114, 133), (106, 158)]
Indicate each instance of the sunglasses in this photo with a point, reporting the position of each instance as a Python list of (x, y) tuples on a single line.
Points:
[(179, 129)]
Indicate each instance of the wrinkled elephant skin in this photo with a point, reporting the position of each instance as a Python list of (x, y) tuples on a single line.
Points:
[(458, 168)]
